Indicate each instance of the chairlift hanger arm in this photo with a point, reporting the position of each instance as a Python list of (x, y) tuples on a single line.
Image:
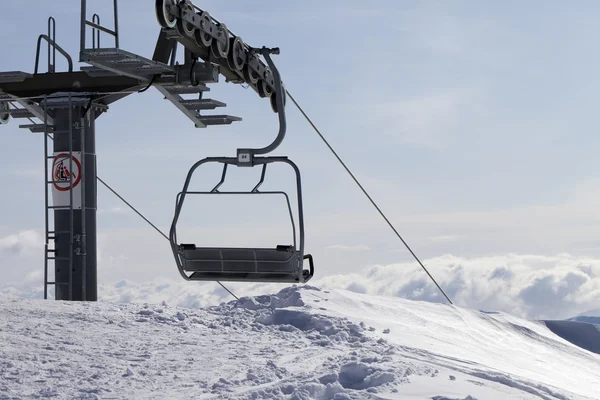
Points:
[(210, 40)]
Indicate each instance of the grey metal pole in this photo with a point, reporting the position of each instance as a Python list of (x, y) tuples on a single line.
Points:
[(82, 27), (84, 284), (116, 9)]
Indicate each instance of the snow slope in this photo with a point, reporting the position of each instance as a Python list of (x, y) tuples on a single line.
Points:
[(302, 343)]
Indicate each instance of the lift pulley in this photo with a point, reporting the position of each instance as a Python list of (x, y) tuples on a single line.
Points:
[(4, 113), (213, 42)]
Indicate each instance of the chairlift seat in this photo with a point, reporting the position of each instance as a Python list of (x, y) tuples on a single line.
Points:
[(280, 264)]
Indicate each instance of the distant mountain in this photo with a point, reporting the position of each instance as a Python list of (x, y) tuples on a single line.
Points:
[(591, 317), (580, 333), (585, 318)]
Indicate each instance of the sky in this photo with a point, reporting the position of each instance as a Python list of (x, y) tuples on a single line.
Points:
[(471, 124)]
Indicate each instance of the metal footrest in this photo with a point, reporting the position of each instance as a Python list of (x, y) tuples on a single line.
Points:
[(37, 128), (191, 108), (218, 119), (202, 104), (187, 89)]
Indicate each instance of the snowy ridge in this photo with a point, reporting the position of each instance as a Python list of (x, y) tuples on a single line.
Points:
[(302, 343)]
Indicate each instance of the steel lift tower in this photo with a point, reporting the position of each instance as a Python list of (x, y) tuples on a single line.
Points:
[(65, 105)]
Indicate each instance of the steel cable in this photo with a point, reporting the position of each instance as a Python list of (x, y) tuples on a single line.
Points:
[(366, 193)]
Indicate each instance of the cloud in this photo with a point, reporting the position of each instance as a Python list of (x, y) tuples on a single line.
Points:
[(529, 286), (26, 172), (20, 243), (424, 119), (114, 210), (524, 285), (445, 238), (358, 247)]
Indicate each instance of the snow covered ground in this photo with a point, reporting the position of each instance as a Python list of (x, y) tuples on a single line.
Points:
[(302, 343)]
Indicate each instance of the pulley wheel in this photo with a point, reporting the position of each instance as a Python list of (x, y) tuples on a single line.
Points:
[(165, 19), (183, 27), (264, 89), (237, 54), (202, 38), (250, 75), (4, 115), (221, 49), (273, 100)]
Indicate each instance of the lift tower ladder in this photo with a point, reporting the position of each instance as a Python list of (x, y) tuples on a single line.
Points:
[(64, 171)]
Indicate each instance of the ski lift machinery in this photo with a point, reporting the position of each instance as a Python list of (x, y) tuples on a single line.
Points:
[(210, 40)]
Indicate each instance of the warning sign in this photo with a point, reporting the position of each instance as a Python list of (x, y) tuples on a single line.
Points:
[(66, 179)]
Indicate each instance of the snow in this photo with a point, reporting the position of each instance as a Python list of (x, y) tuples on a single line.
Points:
[(301, 343)]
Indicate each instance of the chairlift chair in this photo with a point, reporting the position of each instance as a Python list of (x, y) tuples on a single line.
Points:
[(279, 264)]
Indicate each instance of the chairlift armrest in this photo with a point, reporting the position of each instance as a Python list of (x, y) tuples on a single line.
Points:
[(311, 263)]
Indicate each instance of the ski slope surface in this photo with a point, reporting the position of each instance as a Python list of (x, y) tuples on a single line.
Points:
[(302, 343)]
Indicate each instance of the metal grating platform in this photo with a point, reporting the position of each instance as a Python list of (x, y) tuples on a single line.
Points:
[(124, 63), (13, 76), (20, 113)]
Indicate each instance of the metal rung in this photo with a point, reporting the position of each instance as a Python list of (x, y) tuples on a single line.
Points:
[(218, 119), (57, 283), (59, 232), (202, 104), (187, 89), (59, 258), (60, 207), (53, 157), (20, 113), (37, 128)]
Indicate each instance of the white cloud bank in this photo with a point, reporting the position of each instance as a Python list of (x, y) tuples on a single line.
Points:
[(530, 286)]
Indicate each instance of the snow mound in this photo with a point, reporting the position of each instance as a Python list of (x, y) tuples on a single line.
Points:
[(301, 343)]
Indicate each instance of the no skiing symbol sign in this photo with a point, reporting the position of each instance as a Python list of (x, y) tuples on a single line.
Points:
[(62, 170), (66, 180)]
